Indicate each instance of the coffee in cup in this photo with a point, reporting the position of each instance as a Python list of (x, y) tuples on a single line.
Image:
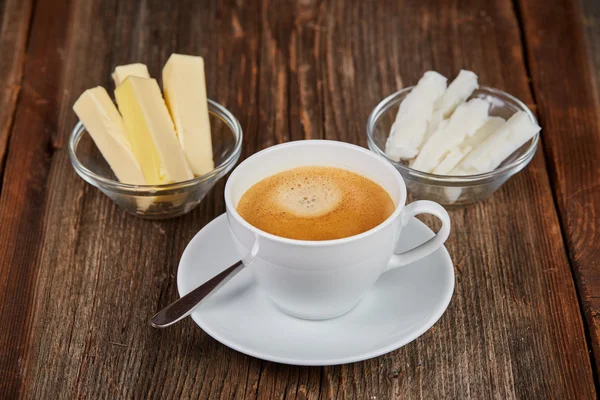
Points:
[(315, 203), (321, 279)]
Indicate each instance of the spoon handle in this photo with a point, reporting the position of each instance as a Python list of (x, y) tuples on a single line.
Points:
[(183, 307)]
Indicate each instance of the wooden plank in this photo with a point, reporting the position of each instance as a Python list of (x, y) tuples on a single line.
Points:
[(569, 111), (589, 14), (21, 205), (589, 283), (289, 99), (89, 276), (14, 26)]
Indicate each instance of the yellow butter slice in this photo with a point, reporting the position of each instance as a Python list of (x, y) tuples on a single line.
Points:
[(123, 71), (103, 122), (150, 131), (185, 94)]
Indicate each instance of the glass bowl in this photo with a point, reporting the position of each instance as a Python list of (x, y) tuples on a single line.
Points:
[(444, 189), (159, 201)]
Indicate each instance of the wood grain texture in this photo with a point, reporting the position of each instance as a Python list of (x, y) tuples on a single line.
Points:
[(15, 18), (508, 267), (569, 112), (589, 12), (85, 277), (24, 183), (589, 15)]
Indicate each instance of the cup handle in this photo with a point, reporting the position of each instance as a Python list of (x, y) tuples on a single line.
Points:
[(422, 250)]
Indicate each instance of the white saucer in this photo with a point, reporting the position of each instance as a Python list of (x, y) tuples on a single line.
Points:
[(403, 304)]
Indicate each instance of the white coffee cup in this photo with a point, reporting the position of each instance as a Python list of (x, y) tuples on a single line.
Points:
[(325, 279)]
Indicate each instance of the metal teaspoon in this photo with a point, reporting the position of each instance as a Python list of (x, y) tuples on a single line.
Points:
[(183, 307)]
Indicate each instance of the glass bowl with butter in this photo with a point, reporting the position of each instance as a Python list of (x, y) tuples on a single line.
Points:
[(166, 200), (453, 190)]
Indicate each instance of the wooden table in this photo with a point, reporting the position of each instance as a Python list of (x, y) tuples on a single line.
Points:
[(79, 278)]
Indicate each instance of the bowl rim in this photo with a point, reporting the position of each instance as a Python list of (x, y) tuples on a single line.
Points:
[(95, 179), (517, 164)]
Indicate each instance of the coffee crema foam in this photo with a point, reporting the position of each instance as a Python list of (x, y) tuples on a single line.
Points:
[(315, 203)]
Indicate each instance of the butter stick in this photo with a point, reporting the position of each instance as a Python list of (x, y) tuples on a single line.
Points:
[(123, 71), (185, 94), (103, 122), (150, 131)]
